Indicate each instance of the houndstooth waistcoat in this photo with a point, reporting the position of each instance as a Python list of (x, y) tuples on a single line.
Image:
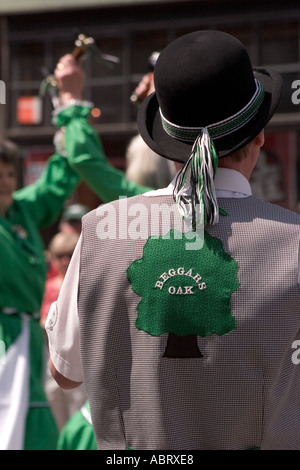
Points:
[(243, 390)]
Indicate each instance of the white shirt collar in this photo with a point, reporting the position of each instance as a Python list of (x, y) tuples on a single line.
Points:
[(233, 182), (228, 183)]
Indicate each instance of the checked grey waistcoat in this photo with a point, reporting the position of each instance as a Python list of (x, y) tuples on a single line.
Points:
[(191, 349)]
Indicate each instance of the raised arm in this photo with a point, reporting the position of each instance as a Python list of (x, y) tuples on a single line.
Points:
[(80, 141)]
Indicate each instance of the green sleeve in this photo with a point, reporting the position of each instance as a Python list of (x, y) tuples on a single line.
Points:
[(78, 432), (44, 198), (85, 154)]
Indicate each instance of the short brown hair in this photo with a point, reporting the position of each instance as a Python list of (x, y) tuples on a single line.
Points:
[(237, 156), (63, 243), (8, 152)]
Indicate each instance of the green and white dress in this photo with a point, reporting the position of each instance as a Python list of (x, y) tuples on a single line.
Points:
[(26, 421)]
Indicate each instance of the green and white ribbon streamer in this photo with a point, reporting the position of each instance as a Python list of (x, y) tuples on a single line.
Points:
[(194, 187), (194, 190)]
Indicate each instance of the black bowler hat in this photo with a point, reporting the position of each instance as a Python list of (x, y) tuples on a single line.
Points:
[(205, 80)]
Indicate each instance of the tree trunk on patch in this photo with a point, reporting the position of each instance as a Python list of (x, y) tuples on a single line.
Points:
[(182, 346)]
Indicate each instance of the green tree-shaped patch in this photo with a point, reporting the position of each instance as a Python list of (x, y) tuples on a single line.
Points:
[(184, 292)]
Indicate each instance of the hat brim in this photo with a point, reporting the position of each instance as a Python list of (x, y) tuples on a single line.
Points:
[(153, 133)]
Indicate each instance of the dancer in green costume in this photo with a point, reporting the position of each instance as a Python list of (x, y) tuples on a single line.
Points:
[(26, 421)]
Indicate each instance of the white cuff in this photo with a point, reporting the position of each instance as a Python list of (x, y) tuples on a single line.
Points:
[(70, 103)]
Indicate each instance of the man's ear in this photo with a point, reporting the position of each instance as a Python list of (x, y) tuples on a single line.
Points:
[(260, 138)]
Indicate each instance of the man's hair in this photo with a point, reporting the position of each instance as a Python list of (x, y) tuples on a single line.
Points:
[(241, 154), (8, 152), (237, 156)]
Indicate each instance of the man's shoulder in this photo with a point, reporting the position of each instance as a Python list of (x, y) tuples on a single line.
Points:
[(282, 212), (261, 208), (124, 201)]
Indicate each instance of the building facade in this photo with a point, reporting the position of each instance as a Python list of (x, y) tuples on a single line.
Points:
[(33, 40)]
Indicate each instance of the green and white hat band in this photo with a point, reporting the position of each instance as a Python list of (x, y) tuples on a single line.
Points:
[(194, 190), (221, 128)]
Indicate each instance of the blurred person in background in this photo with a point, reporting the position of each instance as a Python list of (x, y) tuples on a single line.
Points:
[(78, 432), (144, 166), (70, 220), (60, 252)]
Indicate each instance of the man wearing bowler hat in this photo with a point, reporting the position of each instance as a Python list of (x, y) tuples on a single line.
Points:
[(185, 301)]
